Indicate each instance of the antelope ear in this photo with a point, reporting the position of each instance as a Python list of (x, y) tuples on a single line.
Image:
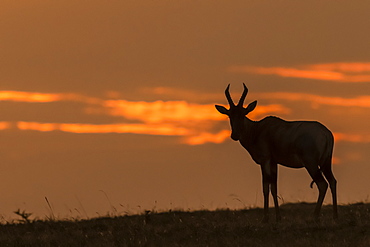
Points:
[(222, 109), (250, 107)]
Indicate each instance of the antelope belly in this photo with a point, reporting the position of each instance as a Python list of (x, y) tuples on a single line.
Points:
[(292, 161)]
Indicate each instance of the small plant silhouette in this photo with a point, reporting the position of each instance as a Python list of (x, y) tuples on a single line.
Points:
[(52, 216), (24, 215)]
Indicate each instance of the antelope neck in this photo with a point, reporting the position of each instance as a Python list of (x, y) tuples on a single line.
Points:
[(249, 132)]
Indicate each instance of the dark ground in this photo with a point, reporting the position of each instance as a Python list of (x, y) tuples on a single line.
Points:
[(200, 228)]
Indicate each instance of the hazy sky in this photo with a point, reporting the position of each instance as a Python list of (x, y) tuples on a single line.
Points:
[(108, 106)]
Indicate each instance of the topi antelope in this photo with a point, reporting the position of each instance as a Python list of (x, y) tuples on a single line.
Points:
[(296, 144)]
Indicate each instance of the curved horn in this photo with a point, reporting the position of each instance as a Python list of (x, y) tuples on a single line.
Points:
[(229, 99), (242, 98)]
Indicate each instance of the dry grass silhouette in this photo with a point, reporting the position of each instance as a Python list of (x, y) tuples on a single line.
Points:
[(199, 228)]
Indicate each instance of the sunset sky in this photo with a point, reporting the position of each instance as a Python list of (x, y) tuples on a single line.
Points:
[(108, 106)]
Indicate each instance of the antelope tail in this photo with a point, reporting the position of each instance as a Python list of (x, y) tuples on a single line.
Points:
[(311, 184), (327, 160), (313, 181)]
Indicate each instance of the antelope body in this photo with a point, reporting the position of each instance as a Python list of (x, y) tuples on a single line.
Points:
[(296, 144)]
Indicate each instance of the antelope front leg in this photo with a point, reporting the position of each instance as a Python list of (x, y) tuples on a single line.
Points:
[(266, 192), (274, 191), (276, 203)]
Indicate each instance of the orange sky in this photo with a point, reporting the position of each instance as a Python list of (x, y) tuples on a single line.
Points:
[(339, 72), (117, 98)]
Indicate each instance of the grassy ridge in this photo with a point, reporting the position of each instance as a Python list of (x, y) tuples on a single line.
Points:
[(200, 228)]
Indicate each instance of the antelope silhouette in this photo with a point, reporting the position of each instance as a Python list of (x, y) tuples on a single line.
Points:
[(296, 144)]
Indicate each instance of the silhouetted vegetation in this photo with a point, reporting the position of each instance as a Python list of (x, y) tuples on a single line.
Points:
[(199, 228)]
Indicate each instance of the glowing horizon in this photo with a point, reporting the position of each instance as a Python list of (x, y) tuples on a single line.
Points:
[(191, 136), (193, 122), (168, 118)]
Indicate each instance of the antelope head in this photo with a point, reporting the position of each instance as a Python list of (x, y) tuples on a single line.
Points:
[(237, 113)]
